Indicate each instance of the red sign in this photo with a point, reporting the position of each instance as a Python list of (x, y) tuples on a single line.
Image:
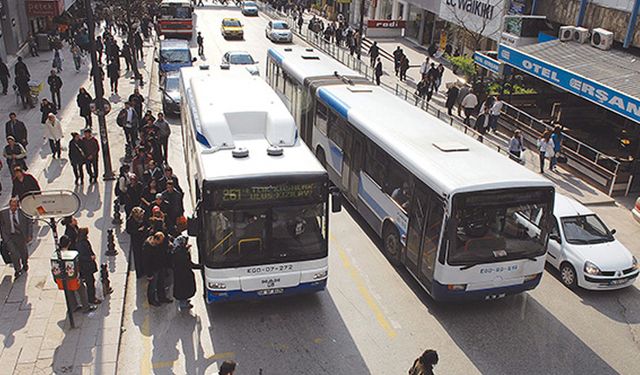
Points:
[(386, 24), (45, 8)]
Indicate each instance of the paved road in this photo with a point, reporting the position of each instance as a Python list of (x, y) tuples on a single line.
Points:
[(374, 318)]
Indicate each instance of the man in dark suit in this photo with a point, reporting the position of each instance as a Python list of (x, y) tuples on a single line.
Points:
[(16, 129), (16, 230)]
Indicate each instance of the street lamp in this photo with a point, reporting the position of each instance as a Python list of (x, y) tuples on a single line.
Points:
[(99, 90), (361, 27)]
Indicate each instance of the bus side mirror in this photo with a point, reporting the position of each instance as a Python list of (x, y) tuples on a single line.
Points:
[(192, 226), (194, 59), (336, 199), (156, 60)]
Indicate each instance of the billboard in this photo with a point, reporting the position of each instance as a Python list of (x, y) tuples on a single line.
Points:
[(478, 16)]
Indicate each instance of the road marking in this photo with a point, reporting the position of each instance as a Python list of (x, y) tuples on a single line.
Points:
[(364, 291), (215, 357)]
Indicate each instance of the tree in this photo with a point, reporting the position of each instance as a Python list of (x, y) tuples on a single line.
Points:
[(478, 19)]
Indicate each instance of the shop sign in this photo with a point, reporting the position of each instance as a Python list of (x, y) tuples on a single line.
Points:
[(477, 16), (585, 88), (489, 63), (44, 8), (386, 24)]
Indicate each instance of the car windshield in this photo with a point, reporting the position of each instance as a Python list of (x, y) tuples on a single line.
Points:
[(249, 4), (240, 59), (231, 23), (172, 83), (489, 228), (265, 235), (280, 26), (585, 229), (175, 56)]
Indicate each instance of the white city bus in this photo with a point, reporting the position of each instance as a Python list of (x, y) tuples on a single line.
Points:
[(260, 196), (447, 207)]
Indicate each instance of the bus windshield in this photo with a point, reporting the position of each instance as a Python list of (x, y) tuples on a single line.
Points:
[(490, 227), (175, 11), (264, 235)]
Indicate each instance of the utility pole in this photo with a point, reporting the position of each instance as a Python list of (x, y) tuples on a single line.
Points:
[(361, 28), (99, 91)]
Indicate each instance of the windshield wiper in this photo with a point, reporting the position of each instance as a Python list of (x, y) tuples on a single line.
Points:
[(470, 265)]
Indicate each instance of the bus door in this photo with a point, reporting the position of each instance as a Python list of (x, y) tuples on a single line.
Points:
[(346, 156), (357, 161), (423, 237)]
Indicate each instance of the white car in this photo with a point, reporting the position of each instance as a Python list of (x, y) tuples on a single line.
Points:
[(240, 58), (585, 250), (278, 31)]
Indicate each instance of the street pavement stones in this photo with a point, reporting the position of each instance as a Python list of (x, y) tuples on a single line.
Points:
[(36, 335)]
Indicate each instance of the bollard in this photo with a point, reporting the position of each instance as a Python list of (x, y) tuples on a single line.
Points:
[(111, 244), (104, 279), (117, 218)]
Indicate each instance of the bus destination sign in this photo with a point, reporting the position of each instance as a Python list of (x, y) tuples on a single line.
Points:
[(298, 191)]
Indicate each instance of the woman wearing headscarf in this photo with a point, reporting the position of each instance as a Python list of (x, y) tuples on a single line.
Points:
[(184, 282)]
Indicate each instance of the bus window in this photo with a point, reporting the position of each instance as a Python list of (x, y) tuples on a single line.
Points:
[(375, 163), (298, 231), (238, 236), (289, 88), (416, 223), (397, 185), (339, 133), (321, 118), (431, 239)]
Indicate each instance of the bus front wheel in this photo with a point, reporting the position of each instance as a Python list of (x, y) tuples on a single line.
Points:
[(320, 156), (391, 242)]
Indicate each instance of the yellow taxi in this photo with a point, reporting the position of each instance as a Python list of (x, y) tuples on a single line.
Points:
[(232, 28)]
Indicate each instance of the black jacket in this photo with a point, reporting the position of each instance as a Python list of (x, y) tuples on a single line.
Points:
[(76, 152), (4, 70), (55, 83), (88, 266), (184, 282), (46, 109), (84, 103), (28, 184), (17, 130), (20, 69)]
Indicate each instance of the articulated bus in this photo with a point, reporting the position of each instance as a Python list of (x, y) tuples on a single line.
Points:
[(448, 208), (176, 18), (261, 214)]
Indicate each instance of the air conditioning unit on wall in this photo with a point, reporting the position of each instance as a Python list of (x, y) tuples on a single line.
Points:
[(602, 38), (582, 35), (566, 33)]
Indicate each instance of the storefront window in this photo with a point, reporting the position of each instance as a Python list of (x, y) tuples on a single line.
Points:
[(385, 9), (413, 23)]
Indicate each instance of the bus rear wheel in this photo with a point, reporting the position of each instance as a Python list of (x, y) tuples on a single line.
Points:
[(391, 243)]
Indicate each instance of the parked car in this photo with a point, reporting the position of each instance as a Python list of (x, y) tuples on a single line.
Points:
[(172, 55), (636, 210), (171, 93), (242, 58), (249, 8), (278, 31), (232, 28), (583, 249)]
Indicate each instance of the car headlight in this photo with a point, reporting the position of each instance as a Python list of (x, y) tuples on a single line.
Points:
[(591, 269), (635, 263)]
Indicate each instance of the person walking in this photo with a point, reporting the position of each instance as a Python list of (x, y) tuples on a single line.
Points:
[(20, 69), (404, 66), (126, 54), (15, 154), (378, 71), (482, 121), (76, 157), (16, 129), (33, 45), (438, 77), (81, 300), (71, 229), (424, 67), (22, 83), (184, 281), (300, 23), (47, 108), (163, 134), (374, 52), (452, 96), (113, 72), (154, 258), (99, 48), (83, 100), (4, 76), (137, 229), (23, 183), (137, 43), (545, 148), (516, 145), (469, 104), (200, 41), (397, 58), (57, 61), (128, 120), (136, 100), (424, 364), (77, 57), (556, 137), (175, 207), (87, 263), (16, 230), (494, 114), (55, 85), (53, 132), (91, 147), (463, 92), (421, 89)]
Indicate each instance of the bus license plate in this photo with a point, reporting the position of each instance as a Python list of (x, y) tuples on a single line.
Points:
[(270, 292), (494, 296)]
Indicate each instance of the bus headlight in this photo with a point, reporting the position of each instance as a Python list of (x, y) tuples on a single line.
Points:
[(320, 275), (591, 269), (531, 277), (213, 285), (456, 287)]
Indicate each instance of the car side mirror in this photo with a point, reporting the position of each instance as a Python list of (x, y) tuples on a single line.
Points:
[(613, 231), (336, 199), (192, 226), (257, 62), (555, 237), (224, 66)]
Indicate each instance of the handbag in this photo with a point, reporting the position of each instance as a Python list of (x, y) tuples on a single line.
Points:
[(6, 256)]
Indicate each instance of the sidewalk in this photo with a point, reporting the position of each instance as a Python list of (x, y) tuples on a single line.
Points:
[(566, 183), (34, 327)]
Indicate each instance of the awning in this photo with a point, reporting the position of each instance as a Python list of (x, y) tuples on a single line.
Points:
[(610, 78)]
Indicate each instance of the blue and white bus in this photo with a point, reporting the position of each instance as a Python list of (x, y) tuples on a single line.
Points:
[(445, 206), (261, 214)]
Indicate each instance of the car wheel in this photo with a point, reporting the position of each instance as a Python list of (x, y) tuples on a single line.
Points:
[(391, 243), (568, 275)]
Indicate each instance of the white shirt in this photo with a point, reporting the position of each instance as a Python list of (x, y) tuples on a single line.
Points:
[(424, 68), (130, 115), (496, 108), (470, 101)]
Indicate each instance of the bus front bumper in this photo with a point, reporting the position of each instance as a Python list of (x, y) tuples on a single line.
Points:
[(440, 292), (238, 295)]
